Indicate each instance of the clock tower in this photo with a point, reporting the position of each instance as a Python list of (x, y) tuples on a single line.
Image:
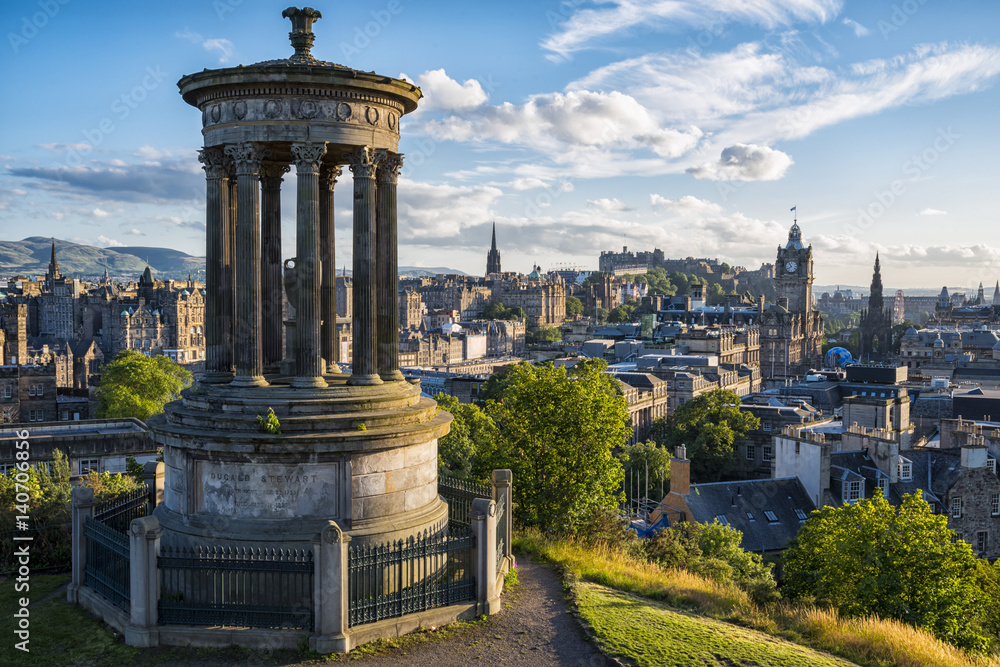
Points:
[(793, 272)]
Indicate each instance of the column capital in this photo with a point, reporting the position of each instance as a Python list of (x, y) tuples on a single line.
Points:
[(363, 161), (215, 162), (248, 156), (328, 175), (272, 172), (307, 156), (389, 166)]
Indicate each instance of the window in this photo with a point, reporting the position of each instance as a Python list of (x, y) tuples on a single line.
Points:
[(38, 390), (31, 390), (981, 542), (883, 487), (801, 514), (852, 491), (956, 507), (86, 465), (771, 516), (721, 518), (768, 449), (991, 465), (65, 416), (905, 470), (31, 415), (6, 391), (750, 516), (995, 504), (766, 426), (751, 453), (797, 446)]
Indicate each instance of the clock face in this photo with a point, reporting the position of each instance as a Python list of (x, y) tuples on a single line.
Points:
[(791, 266)]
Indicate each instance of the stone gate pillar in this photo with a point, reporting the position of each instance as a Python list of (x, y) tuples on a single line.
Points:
[(308, 362), (363, 162), (388, 271), (247, 157)]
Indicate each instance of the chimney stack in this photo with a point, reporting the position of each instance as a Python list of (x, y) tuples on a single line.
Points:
[(680, 472)]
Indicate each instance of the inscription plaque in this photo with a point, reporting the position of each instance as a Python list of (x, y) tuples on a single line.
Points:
[(268, 491)]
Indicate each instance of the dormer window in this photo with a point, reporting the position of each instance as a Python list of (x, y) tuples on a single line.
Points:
[(905, 470)]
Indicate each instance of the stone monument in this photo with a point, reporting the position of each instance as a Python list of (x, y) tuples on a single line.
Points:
[(361, 447)]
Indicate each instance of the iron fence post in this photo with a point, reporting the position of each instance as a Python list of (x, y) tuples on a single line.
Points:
[(484, 526), (331, 588), (144, 549), (83, 509)]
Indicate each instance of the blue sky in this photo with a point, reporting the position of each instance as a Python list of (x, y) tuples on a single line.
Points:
[(579, 126)]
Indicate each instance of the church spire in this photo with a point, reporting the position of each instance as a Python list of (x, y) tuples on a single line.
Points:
[(493, 258), (875, 302), (54, 263)]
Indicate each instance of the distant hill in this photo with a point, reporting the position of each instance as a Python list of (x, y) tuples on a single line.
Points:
[(30, 257)]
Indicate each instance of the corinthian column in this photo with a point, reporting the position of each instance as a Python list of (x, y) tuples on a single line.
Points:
[(365, 370), (328, 176), (249, 361), (388, 273), (270, 263), (218, 348), (308, 362)]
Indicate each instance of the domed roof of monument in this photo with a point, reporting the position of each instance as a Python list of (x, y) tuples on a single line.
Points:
[(910, 333)]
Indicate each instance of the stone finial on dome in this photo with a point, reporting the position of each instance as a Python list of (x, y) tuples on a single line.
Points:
[(302, 36)]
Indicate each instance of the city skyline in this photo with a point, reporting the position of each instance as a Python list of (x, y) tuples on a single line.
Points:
[(578, 127)]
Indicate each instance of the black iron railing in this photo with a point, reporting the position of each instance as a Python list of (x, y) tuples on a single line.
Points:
[(118, 512), (396, 578), (459, 494), (237, 586), (107, 570)]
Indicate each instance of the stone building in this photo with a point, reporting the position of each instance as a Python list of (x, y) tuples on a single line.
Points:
[(647, 397), (411, 309), (543, 299), (101, 445)]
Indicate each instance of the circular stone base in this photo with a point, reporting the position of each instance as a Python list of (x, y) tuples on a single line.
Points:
[(365, 457)]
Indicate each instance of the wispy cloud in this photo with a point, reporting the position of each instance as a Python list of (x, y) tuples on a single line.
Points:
[(859, 30), (584, 27), (933, 211), (224, 47)]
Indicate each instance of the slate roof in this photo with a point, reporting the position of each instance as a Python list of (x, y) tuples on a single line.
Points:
[(744, 503)]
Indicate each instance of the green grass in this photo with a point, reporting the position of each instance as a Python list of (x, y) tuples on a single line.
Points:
[(654, 635), (61, 634)]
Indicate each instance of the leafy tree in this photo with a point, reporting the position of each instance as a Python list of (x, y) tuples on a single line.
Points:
[(618, 315), (461, 452), (715, 295), (659, 283), (650, 465), (870, 558), (574, 307), (709, 424), (556, 432), (542, 334), (134, 385), (681, 282), (713, 550), (725, 267)]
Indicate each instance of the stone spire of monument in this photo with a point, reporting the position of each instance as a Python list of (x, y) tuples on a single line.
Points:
[(996, 295), (875, 298)]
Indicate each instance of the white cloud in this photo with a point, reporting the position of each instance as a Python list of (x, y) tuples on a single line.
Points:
[(135, 232), (933, 211), (65, 147), (441, 92), (223, 46), (105, 242), (566, 124), (859, 30), (586, 26), (745, 162), (526, 183), (609, 205), (98, 213), (441, 212)]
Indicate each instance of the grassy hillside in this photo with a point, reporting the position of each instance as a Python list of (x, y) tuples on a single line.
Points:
[(30, 257), (655, 591)]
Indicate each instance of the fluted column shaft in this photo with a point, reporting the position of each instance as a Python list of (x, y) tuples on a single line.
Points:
[(229, 274), (308, 361), (249, 360), (363, 162), (330, 351), (270, 264), (218, 351), (388, 273)]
